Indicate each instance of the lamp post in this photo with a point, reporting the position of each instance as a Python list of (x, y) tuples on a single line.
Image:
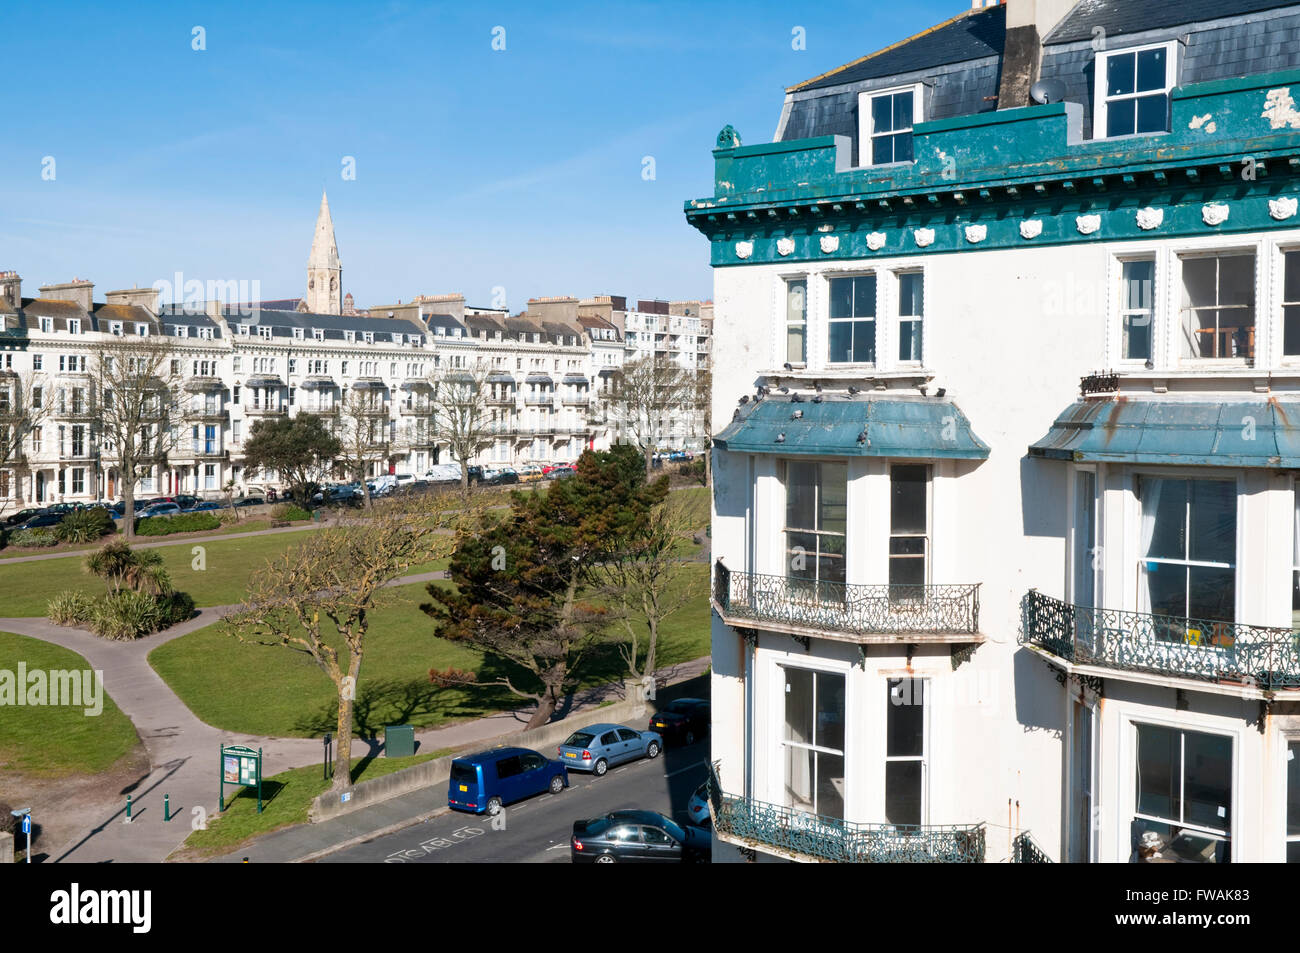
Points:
[(26, 818)]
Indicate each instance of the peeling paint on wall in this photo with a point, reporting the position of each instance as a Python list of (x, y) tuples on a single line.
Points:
[(1280, 111), (1199, 121)]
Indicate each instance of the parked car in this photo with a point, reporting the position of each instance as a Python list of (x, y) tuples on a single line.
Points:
[(403, 481), (643, 837), (597, 748), (697, 808), (564, 470), (64, 508), (530, 473), (22, 516), (185, 501), (204, 506), (120, 506), (250, 501), (443, 473), (502, 477), (485, 782), (475, 475), (546, 470), (161, 509), (685, 720), (42, 519)]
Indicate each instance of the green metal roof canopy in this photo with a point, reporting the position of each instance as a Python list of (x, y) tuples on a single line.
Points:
[(1241, 432), (908, 427)]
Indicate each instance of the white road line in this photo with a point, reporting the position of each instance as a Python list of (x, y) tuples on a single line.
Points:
[(687, 768)]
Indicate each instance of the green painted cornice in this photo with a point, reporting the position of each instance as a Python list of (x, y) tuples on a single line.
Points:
[(1232, 142)]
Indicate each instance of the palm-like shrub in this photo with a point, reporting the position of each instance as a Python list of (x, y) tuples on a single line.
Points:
[(126, 615), (84, 526), (122, 567), (140, 597), (70, 608)]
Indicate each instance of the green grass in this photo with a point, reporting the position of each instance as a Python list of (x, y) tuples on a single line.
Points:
[(57, 741), (286, 798), (694, 502), (270, 690), (28, 587)]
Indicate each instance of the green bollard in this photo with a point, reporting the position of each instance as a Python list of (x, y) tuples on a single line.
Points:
[(128, 809), (167, 811)]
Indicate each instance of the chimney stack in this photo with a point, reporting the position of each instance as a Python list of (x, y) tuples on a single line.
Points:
[(1028, 21), (79, 291), (146, 298), (11, 291)]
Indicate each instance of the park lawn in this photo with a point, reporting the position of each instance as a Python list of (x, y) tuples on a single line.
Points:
[(28, 587), (694, 502), (57, 741), (286, 799), (271, 690)]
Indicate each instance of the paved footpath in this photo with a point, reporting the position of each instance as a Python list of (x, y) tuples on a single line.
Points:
[(183, 751)]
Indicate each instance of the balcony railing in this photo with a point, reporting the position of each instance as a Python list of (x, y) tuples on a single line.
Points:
[(821, 838), (1204, 649), (854, 610), (1024, 850), (539, 399)]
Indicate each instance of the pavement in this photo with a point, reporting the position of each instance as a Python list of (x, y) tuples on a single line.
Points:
[(181, 747)]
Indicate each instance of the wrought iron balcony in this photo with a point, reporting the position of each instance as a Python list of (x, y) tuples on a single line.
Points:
[(415, 410), (816, 837), (1025, 850), (207, 415), (1267, 658), (539, 399), (858, 613), (264, 411)]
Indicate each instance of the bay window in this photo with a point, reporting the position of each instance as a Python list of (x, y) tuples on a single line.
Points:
[(905, 751), (816, 520), (852, 323), (909, 530), (1188, 548), (1183, 803), (1218, 306), (911, 315)]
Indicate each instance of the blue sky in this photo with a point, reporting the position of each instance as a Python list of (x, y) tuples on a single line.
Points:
[(475, 168)]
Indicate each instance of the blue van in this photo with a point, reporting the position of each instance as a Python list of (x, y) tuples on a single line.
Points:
[(485, 781)]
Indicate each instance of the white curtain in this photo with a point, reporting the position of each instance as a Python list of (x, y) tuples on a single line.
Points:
[(1151, 491)]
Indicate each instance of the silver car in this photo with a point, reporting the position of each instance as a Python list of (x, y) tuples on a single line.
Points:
[(597, 748)]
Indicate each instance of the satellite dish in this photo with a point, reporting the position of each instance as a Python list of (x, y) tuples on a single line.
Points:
[(1047, 91)]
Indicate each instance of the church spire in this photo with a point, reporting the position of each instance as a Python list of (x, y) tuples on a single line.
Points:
[(324, 272)]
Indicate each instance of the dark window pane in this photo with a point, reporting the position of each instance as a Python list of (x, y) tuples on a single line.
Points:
[(801, 555), (864, 296), (864, 342), (909, 340), (1291, 289), (1200, 276), (1237, 281), (1207, 767), (1292, 795), (841, 342), (1213, 520), (1139, 278), (1291, 330), (1120, 74), (1121, 118), (881, 114), (903, 792), (1212, 593), (907, 498), (841, 297), (905, 720), (882, 150), (1293, 852), (1153, 113), (1168, 500), (1150, 70), (801, 494), (799, 705), (830, 784), (906, 571), (907, 546), (834, 497), (903, 104), (830, 710), (903, 147), (1158, 771), (1137, 337), (1167, 588)]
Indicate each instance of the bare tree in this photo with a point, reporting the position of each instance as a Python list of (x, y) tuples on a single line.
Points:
[(360, 423), (319, 597), (646, 578), (459, 413), (644, 398), (703, 400), (23, 408), (136, 378)]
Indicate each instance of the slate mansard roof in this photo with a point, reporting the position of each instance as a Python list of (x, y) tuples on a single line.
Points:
[(960, 60)]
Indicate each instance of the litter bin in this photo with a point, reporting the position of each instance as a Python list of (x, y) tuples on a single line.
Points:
[(399, 741)]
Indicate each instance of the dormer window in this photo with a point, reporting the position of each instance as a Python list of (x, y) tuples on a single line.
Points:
[(264, 333), (115, 328), (317, 334), (142, 330), (244, 331), (47, 325), (1132, 94), (349, 336), (370, 337), (74, 325), (885, 124), (297, 334)]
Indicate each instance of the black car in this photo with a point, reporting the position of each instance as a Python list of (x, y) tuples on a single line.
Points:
[(42, 519), (685, 720), (643, 837), (186, 502), (22, 516), (250, 501)]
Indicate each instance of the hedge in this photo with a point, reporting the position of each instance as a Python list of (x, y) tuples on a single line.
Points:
[(180, 523)]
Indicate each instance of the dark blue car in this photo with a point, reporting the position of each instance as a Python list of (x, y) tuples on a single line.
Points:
[(485, 782)]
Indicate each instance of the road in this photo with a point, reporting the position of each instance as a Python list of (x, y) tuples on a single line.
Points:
[(536, 831)]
